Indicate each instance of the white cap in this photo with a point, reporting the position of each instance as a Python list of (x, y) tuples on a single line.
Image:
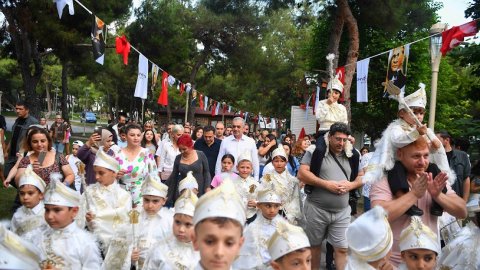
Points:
[(59, 194), (222, 201), (244, 156), (335, 84), (419, 236), (285, 239), (369, 236), (189, 182), (106, 161), (79, 143), (185, 204), (29, 177), (268, 192), (279, 152), (16, 252), (416, 99), (153, 187)]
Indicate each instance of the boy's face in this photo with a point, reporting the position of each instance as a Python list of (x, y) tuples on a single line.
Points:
[(30, 196), (152, 204), (279, 164), (418, 112), (419, 259), (269, 210), (218, 245), (244, 168), (296, 260), (104, 176), (58, 216), (183, 227)]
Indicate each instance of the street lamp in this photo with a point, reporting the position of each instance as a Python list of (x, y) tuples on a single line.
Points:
[(436, 57)]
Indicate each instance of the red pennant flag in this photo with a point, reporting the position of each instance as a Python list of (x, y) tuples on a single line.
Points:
[(123, 47), (201, 102), (182, 88), (214, 107), (340, 72), (163, 98), (452, 37), (302, 134)]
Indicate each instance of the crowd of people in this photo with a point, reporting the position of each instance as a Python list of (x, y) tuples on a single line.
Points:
[(208, 197)]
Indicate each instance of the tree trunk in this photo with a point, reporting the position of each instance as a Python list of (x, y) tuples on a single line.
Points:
[(354, 43), (27, 55), (64, 89), (49, 101), (335, 36), (193, 75)]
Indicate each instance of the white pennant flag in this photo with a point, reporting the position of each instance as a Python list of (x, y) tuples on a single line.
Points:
[(205, 104), (61, 5), (141, 88), (362, 80)]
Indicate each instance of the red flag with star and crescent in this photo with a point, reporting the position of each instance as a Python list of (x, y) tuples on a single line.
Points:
[(340, 72), (163, 98), (452, 37)]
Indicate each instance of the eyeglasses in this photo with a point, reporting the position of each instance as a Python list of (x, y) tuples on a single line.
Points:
[(339, 139), (236, 126)]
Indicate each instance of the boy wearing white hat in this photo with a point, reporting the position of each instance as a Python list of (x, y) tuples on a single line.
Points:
[(63, 244), (419, 246), (398, 134), (254, 253), (287, 185), (369, 241), (17, 253), (30, 215), (76, 164), (245, 185), (218, 235), (105, 203), (189, 182), (176, 251), (289, 248), (155, 221)]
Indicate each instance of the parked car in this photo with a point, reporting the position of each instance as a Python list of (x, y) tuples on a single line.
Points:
[(88, 117)]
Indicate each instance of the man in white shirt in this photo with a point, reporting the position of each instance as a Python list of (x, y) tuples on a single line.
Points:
[(236, 144)]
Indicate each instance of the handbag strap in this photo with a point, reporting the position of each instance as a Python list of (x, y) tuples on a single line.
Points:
[(339, 165)]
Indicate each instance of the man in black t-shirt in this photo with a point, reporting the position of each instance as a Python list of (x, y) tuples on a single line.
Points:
[(19, 131)]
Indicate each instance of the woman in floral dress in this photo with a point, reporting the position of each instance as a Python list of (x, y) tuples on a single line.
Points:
[(136, 163)]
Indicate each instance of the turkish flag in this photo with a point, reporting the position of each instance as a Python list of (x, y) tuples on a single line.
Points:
[(340, 73), (214, 108), (201, 101), (452, 37), (163, 98), (182, 88), (122, 47)]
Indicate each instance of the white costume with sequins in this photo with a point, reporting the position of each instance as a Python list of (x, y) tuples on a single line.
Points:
[(171, 254), (289, 191), (25, 219), (247, 189)]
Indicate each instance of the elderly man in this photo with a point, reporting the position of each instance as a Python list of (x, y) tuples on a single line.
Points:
[(210, 146), (424, 189), (327, 205), (236, 144), (219, 130)]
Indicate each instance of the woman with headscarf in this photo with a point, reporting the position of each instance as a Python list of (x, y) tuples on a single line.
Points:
[(88, 151)]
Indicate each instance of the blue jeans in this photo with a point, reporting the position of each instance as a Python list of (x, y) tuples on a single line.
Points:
[(59, 146), (366, 204)]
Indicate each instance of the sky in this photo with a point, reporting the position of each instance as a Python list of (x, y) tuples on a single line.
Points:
[(453, 12)]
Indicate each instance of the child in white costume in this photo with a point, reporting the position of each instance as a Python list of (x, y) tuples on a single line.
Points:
[(289, 248), (254, 253), (155, 221), (17, 253), (30, 215), (399, 133), (106, 204), (419, 245), (245, 185), (176, 251), (286, 184), (63, 244), (463, 253), (219, 220), (369, 241)]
